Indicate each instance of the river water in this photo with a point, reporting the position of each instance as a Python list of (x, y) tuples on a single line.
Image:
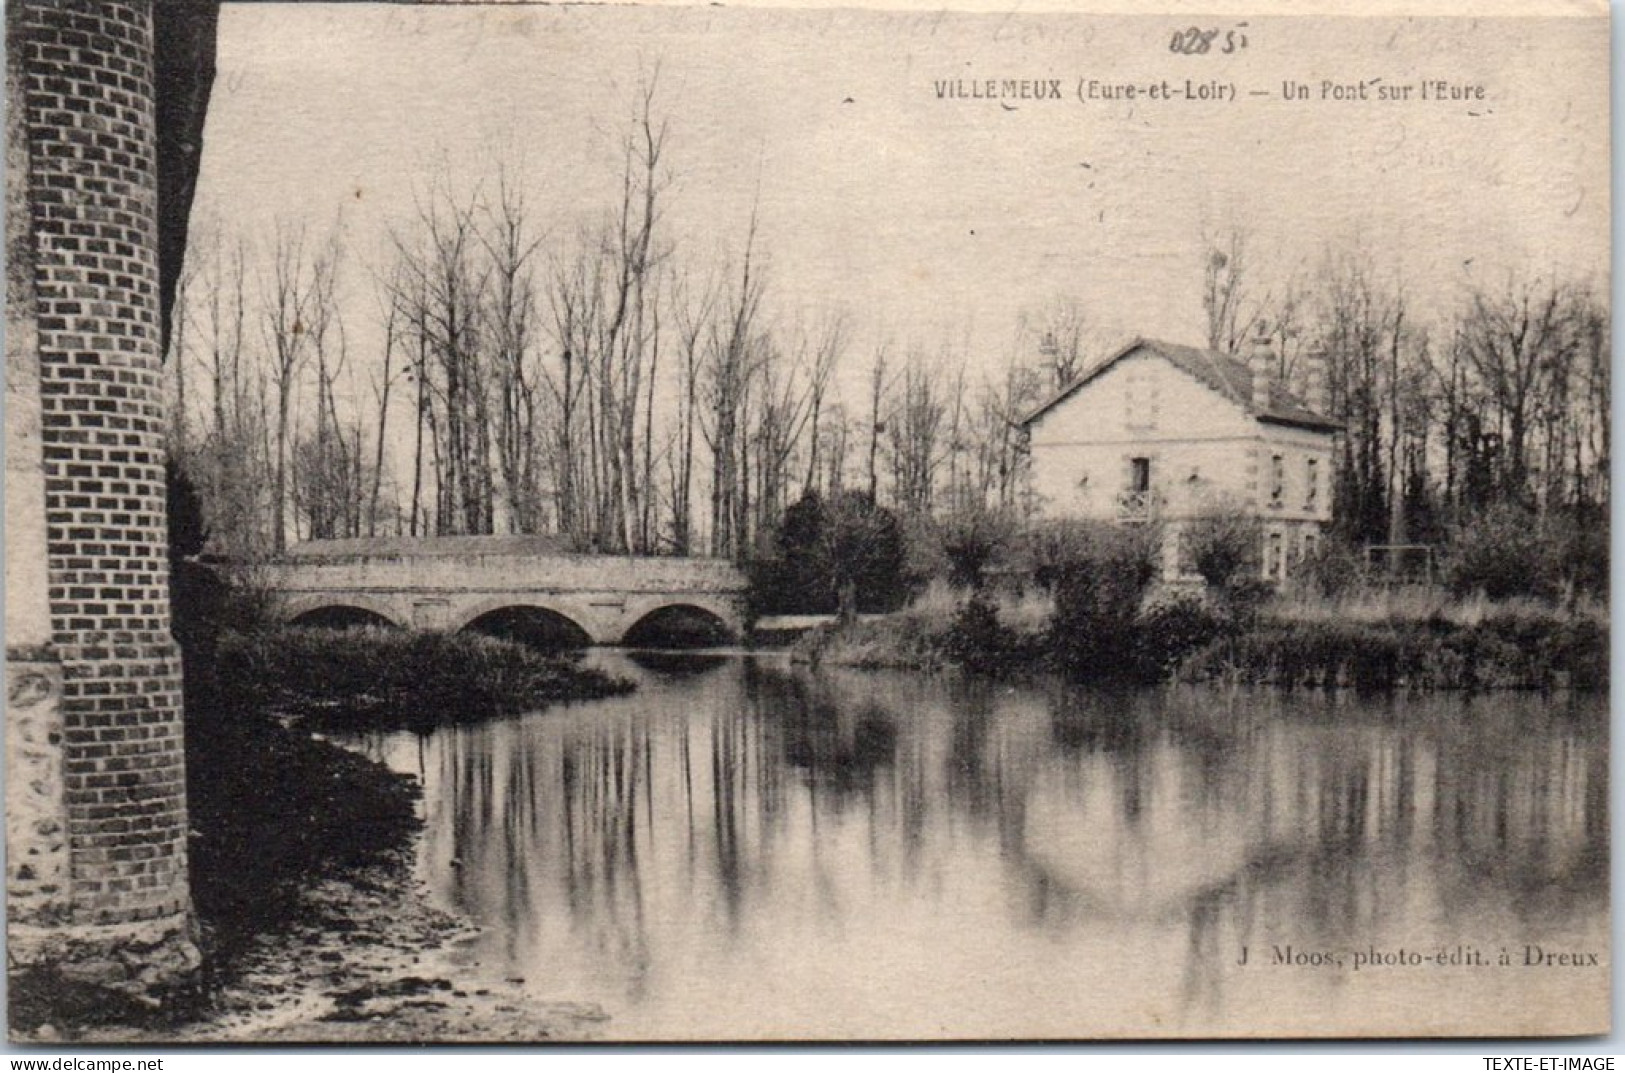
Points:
[(744, 849)]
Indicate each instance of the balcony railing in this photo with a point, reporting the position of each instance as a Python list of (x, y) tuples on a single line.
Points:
[(1142, 506)]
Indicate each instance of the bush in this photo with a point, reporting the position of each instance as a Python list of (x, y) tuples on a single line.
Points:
[(978, 641), (1331, 570), (846, 550), (1581, 548), (1173, 626), (973, 541), (1050, 549), (1509, 551), (1098, 590), (1223, 545)]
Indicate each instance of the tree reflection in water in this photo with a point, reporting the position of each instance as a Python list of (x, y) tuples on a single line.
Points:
[(756, 847)]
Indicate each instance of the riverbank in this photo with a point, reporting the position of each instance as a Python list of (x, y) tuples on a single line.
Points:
[(1381, 641), (380, 678), (363, 958), (312, 924), (1508, 650), (367, 958)]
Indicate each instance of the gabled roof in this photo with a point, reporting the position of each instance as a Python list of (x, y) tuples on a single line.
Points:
[(1215, 370)]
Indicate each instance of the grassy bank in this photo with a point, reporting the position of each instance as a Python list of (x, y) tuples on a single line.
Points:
[(1469, 646), (938, 629), (1372, 641), (379, 678)]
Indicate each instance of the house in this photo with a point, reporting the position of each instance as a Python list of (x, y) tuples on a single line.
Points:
[(1167, 433)]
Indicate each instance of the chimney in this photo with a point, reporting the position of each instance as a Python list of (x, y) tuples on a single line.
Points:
[(1048, 348), (1316, 383), (1261, 361)]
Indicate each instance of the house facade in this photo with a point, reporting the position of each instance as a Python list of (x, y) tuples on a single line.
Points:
[(1160, 432)]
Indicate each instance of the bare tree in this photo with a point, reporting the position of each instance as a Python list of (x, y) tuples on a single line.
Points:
[(731, 365), (575, 299), (506, 235), (606, 324), (1519, 344), (286, 299), (327, 478), (878, 385), (1232, 311), (441, 284), (693, 309), (915, 428), (829, 342)]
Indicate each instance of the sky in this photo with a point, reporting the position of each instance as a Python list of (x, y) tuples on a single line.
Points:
[(930, 220)]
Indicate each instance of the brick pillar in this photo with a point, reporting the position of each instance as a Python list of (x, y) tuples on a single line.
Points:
[(37, 889), (87, 111)]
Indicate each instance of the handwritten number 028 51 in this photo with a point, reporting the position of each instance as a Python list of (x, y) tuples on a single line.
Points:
[(1192, 42), (1195, 41)]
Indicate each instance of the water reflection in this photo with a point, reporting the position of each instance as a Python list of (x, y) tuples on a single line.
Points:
[(743, 849), (674, 663)]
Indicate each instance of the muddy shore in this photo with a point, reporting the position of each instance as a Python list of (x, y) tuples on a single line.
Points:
[(314, 926), (368, 959)]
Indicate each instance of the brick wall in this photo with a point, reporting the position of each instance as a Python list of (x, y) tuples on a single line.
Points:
[(89, 108)]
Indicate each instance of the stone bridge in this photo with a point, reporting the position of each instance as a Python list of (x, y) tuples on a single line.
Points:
[(503, 585)]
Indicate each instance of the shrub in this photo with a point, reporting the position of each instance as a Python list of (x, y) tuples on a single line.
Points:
[(1050, 549), (1244, 597), (1580, 545), (1331, 570), (846, 554), (978, 641), (1223, 545), (1174, 625), (972, 541), (1507, 551), (209, 603), (1098, 590)]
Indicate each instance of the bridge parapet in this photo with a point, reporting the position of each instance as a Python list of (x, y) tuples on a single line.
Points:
[(566, 573), (451, 584)]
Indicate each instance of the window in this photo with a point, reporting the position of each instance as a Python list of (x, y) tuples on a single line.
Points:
[(1273, 566), (1139, 475), (1277, 480), (1138, 501), (1311, 495)]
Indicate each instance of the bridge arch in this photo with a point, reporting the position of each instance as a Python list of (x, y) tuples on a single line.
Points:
[(681, 624), (530, 623), (350, 609)]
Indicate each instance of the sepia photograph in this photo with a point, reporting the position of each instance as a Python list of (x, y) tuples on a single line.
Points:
[(552, 523)]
